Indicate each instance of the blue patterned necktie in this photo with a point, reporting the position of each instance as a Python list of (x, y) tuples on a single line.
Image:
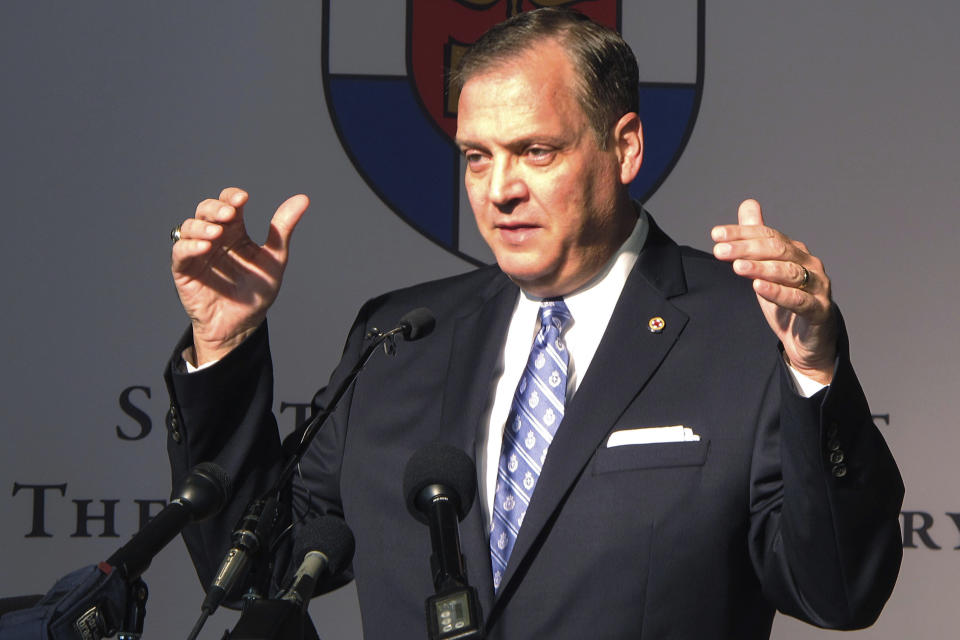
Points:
[(534, 417)]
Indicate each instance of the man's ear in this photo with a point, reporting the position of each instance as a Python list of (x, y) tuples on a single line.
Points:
[(628, 140)]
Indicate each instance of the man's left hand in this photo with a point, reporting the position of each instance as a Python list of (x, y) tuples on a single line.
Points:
[(791, 285)]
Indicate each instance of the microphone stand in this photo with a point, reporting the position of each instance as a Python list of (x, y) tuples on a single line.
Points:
[(309, 429), (264, 619), (312, 425)]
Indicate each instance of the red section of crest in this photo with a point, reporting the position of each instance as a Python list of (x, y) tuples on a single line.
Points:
[(437, 27)]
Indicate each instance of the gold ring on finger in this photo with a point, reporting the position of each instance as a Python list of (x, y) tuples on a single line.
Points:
[(805, 280)]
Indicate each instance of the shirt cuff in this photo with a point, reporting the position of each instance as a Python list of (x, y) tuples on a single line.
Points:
[(192, 369), (802, 384)]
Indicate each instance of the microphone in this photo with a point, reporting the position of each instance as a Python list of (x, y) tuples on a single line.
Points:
[(417, 323), (252, 532), (202, 494), (98, 600), (414, 325), (324, 547), (248, 538), (440, 483)]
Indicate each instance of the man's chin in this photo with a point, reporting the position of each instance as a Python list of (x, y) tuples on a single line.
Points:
[(533, 282), (519, 269)]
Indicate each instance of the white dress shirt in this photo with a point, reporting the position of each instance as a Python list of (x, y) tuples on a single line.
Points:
[(590, 307)]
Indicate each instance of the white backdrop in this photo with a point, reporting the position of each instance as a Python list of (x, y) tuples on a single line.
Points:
[(117, 117)]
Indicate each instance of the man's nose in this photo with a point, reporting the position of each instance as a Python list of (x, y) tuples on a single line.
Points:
[(506, 184)]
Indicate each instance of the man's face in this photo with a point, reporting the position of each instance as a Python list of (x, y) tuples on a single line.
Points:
[(548, 200)]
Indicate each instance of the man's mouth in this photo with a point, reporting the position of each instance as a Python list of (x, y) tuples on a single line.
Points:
[(516, 232)]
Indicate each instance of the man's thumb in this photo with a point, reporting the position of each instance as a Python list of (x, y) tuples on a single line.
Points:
[(749, 213), (285, 220)]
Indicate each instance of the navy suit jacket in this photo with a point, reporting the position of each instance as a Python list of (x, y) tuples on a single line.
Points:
[(785, 502)]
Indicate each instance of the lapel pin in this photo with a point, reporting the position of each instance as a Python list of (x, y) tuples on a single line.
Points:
[(656, 324)]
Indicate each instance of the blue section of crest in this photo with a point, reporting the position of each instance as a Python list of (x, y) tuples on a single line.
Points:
[(666, 113), (410, 164)]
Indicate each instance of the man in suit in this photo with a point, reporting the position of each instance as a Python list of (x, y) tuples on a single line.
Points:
[(710, 457)]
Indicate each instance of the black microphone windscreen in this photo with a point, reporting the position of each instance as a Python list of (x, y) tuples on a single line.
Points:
[(417, 323), (206, 489), (329, 535), (440, 464), (201, 494)]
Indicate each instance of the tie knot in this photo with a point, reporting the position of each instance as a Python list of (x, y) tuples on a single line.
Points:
[(555, 313)]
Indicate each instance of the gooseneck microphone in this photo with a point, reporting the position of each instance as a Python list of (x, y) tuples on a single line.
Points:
[(417, 324), (414, 325), (440, 483), (254, 530), (202, 494)]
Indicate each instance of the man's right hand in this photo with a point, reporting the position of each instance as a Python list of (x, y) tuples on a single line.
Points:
[(225, 280)]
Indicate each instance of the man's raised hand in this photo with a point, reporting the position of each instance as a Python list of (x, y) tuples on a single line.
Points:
[(791, 285), (225, 280)]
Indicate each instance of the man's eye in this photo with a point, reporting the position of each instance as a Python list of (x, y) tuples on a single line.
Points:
[(539, 154), (474, 160)]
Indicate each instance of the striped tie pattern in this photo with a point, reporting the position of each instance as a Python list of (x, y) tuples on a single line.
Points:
[(535, 414)]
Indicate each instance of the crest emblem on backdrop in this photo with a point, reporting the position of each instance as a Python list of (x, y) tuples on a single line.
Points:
[(398, 129)]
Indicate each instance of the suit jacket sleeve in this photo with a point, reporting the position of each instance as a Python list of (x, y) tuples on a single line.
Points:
[(825, 498), (224, 414)]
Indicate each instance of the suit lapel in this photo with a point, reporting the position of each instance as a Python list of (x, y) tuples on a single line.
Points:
[(476, 345), (627, 356)]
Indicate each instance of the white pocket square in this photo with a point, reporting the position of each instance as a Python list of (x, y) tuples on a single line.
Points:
[(651, 435)]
